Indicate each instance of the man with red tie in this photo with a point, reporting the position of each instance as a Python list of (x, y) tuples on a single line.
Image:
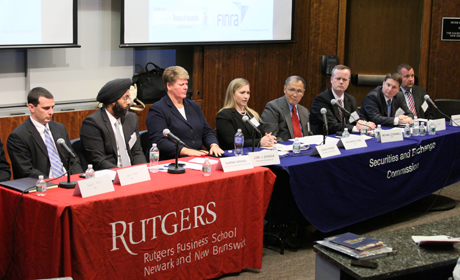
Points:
[(284, 117)]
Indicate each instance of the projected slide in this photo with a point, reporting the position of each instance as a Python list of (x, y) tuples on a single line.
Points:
[(207, 21)]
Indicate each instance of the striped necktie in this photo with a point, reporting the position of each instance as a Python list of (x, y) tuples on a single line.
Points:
[(411, 102), (340, 111), (55, 160)]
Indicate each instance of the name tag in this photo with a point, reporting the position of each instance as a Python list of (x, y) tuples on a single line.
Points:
[(264, 158), (455, 120), (325, 151), (353, 117), (230, 164), (94, 186), (440, 124), (424, 106), (391, 135), (352, 143), (399, 112), (132, 175), (255, 122)]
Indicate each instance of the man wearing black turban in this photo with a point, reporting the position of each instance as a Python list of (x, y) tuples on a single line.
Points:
[(110, 136)]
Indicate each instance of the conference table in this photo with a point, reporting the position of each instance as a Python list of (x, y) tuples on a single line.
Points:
[(362, 183), (175, 226)]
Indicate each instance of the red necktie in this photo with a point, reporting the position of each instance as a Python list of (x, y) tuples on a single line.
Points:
[(296, 123), (411, 103), (340, 111)]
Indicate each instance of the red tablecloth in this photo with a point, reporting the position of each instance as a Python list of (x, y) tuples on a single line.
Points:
[(172, 227)]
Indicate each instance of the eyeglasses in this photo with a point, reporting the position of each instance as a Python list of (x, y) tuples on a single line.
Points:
[(293, 91), (126, 98)]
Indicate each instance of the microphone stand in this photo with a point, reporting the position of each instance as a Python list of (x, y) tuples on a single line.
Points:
[(69, 184), (253, 140), (324, 133), (175, 168), (339, 133)]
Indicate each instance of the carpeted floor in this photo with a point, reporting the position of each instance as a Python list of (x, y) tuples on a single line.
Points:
[(301, 264)]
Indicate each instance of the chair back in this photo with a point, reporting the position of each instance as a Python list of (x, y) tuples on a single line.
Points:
[(78, 148)]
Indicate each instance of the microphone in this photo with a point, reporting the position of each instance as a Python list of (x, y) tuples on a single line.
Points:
[(428, 99), (325, 128), (61, 142), (167, 133), (246, 119), (335, 103)]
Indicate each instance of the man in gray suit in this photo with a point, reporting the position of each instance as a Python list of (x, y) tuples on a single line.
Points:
[(285, 117), (413, 94), (110, 136)]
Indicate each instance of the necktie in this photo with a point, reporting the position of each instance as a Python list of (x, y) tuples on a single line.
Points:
[(296, 123), (410, 99), (389, 108), (121, 146), (55, 160), (340, 111)]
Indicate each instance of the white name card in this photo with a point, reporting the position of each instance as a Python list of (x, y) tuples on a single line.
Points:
[(229, 164), (264, 158), (132, 175), (350, 143), (94, 186), (440, 124), (391, 135), (325, 151), (455, 120)]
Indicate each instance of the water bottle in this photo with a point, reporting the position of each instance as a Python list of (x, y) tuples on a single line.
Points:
[(40, 187), (345, 133), (422, 129), (415, 128), (206, 168), (90, 174), (154, 156), (432, 129), (377, 133), (363, 130), (296, 146), (407, 132), (239, 143)]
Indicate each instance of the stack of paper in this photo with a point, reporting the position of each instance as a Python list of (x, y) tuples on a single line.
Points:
[(435, 239)]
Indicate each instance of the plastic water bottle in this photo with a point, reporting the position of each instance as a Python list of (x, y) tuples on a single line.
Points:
[(363, 130), (377, 133), (296, 146), (422, 129), (415, 128), (345, 133), (154, 156), (90, 174), (206, 168), (407, 132), (239, 143), (432, 129), (40, 187)]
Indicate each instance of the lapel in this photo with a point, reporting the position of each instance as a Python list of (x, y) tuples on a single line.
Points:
[(56, 135), (239, 120), (286, 114), (36, 136), (108, 127), (335, 109), (188, 111), (384, 107)]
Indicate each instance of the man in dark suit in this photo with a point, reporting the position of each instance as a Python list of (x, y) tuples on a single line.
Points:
[(110, 136), (5, 173), (385, 105), (277, 116), (414, 95), (32, 145), (340, 80)]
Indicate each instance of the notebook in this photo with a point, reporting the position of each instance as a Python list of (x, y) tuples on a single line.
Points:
[(23, 184)]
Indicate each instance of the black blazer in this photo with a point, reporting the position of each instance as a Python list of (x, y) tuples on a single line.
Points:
[(374, 107), (99, 142), (227, 122), (193, 131), (419, 98), (28, 153), (5, 173), (334, 123)]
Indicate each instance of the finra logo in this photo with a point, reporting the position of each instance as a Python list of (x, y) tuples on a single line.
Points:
[(228, 20), (168, 224)]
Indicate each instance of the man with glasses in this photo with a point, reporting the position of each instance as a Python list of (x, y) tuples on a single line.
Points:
[(110, 136), (284, 117)]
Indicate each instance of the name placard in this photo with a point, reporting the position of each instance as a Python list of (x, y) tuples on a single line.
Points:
[(350, 143), (440, 124), (325, 151), (94, 186), (264, 158), (132, 175), (230, 164), (391, 135), (455, 120)]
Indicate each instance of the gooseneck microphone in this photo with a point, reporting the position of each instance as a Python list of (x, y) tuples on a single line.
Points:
[(428, 99), (246, 119), (61, 142), (175, 168), (167, 133), (325, 128), (335, 103)]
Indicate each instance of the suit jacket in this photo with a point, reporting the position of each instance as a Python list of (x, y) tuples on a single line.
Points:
[(5, 173), (334, 122), (375, 107), (99, 142), (28, 152), (419, 98), (227, 122), (276, 118), (193, 131)]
